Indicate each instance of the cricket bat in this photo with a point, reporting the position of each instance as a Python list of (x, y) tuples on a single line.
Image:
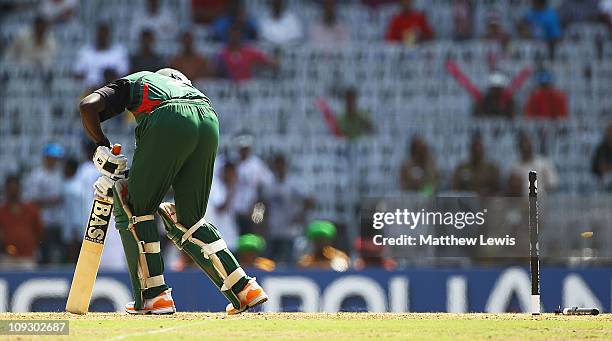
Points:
[(91, 252)]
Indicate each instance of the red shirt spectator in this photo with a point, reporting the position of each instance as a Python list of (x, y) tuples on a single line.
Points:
[(239, 64), (238, 61), (409, 26), (20, 228), (546, 101), (20, 223)]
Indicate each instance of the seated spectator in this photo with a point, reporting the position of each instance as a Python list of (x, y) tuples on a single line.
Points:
[(286, 208), (605, 6), (602, 159), (372, 256), (206, 11), (220, 211), (495, 32), (44, 188), (145, 58), (355, 122), (542, 22), (477, 174), (250, 248), (498, 97), (571, 11), (238, 61), (515, 187), (235, 16), (92, 61), (419, 173), (86, 175), (409, 26), (57, 11), (253, 176), (321, 235), (462, 11), (375, 4), (548, 178), (156, 19), (545, 101), (34, 46), (72, 212), (20, 228), (189, 61), (494, 29), (329, 31), (279, 26), (494, 103)]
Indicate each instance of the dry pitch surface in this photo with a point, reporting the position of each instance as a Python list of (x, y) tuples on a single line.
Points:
[(325, 327)]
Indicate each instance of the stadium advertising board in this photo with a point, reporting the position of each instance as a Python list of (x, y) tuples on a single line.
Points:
[(418, 290)]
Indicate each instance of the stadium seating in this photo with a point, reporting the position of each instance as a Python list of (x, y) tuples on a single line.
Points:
[(406, 91)]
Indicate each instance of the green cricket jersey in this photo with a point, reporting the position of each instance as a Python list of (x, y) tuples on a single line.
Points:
[(176, 146), (142, 92)]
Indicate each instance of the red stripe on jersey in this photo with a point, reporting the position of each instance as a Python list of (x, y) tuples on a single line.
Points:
[(147, 105)]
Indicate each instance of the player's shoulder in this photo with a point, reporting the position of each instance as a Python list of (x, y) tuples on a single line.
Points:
[(139, 75)]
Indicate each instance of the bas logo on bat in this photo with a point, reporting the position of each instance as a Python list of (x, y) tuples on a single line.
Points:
[(98, 221)]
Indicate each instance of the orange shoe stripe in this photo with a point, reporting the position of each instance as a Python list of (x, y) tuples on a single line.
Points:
[(162, 303), (252, 294)]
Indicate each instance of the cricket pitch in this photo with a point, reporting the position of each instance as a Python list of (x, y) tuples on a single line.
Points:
[(322, 326)]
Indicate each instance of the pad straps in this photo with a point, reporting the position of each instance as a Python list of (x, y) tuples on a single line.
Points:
[(214, 247), (232, 279), (135, 220), (146, 280), (210, 249), (192, 229), (151, 282), (153, 247), (207, 249)]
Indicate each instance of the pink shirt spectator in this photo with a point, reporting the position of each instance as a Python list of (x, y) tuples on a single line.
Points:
[(322, 35), (239, 64)]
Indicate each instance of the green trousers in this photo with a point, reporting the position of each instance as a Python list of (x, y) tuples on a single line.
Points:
[(176, 146)]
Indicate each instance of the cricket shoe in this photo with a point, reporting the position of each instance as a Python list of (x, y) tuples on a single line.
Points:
[(162, 304), (252, 295)]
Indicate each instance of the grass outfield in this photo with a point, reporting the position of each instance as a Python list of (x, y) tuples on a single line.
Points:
[(326, 327)]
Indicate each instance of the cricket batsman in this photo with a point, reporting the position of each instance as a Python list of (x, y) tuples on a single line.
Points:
[(177, 135)]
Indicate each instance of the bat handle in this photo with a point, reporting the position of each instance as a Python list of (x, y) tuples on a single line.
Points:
[(116, 149)]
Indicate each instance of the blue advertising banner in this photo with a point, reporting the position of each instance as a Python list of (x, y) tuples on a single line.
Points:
[(416, 290)]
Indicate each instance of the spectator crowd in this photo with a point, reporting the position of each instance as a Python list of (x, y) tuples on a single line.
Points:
[(230, 24), (263, 211)]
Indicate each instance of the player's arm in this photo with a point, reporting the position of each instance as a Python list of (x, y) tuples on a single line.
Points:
[(90, 108), (102, 104)]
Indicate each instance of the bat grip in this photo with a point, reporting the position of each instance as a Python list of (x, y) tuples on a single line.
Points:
[(116, 149)]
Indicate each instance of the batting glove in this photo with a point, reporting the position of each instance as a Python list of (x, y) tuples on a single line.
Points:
[(109, 164), (103, 188)]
